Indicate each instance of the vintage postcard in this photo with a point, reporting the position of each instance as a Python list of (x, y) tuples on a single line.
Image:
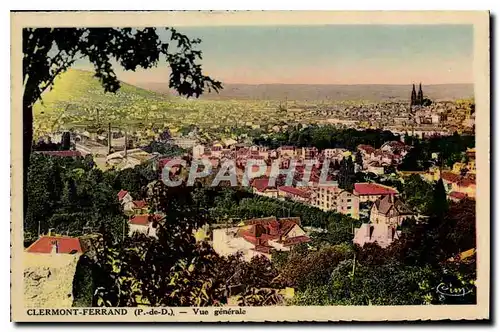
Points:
[(250, 166)]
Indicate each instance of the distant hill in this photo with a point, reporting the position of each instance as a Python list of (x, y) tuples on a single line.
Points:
[(77, 96), (328, 92), (81, 88)]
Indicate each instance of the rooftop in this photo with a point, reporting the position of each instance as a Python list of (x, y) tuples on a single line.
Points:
[(63, 244), (373, 189), (294, 191)]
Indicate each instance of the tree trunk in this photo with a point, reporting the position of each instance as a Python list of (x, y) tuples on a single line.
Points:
[(27, 144)]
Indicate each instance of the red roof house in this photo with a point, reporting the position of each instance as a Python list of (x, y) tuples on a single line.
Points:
[(55, 244), (294, 193), (140, 204), (144, 219), (373, 189), (261, 184), (121, 194), (272, 233), (140, 220)]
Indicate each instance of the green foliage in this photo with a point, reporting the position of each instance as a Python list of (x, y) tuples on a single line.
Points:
[(449, 148), (312, 268), (417, 194), (324, 137), (83, 286), (68, 196), (164, 149), (439, 200)]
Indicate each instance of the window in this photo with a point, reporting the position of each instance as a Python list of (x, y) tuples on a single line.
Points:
[(349, 200)]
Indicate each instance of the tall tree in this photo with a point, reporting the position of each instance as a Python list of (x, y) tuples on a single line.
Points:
[(48, 52), (439, 202), (346, 174)]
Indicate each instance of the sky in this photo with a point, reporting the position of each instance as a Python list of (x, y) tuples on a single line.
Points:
[(329, 54)]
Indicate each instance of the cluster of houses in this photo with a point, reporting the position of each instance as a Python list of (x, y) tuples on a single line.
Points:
[(140, 220), (380, 204), (376, 160), (259, 237)]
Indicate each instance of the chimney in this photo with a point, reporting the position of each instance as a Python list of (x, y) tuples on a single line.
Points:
[(109, 138), (54, 249), (50, 231)]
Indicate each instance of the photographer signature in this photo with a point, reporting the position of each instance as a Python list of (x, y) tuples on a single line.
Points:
[(449, 290)]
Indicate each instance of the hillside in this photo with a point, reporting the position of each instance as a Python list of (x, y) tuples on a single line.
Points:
[(77, 96), (331, 92)]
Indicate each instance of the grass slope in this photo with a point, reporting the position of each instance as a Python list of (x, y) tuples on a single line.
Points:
[(78, 97)]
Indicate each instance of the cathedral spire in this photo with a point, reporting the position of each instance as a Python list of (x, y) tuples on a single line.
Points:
[(413, 96), (420, 96)]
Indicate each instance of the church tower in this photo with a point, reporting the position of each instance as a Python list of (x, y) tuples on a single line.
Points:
[(420, 96), (413, 96)]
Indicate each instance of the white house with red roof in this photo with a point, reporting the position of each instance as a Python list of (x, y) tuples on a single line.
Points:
[(124, 196), (144, 223), (370, 192), (140, 207), (366, 150), (396, 148), (126, 201), (456, 185), (55, 244), (262, 187), (295, 194), (259, 237)]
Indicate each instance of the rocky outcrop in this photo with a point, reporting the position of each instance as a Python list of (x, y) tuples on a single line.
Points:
[(48, 279)]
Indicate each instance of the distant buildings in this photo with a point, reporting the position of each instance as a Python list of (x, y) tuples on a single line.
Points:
[(184, 142), (128, 158)]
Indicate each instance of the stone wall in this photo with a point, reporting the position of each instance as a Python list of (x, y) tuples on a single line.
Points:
[(48, 280)]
